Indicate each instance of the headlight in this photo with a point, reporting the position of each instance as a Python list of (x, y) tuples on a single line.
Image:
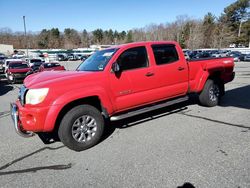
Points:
[(36, 96)]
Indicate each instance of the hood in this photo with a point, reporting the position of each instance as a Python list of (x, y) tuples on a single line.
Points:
[(58, 78)]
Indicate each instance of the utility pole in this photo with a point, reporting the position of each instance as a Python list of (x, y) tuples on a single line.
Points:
[(26, 41), (240, 28)]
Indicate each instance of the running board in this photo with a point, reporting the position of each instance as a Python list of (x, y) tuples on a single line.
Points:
[(149, 108)]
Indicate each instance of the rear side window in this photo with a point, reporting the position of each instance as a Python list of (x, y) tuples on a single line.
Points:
[(133, 58), (165, 54)]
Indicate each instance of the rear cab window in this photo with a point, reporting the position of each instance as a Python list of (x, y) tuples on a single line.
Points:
[(133, 58), (165, 54)]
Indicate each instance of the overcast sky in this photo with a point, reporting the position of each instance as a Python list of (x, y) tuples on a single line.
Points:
[(105, 14)]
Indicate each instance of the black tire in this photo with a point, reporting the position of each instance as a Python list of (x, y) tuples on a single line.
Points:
[(67, 131), (210, 94)]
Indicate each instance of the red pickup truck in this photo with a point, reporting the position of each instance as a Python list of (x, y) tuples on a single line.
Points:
[(114, 84)]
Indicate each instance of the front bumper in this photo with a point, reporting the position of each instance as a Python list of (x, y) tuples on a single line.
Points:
[(17, 123), (33, 118)]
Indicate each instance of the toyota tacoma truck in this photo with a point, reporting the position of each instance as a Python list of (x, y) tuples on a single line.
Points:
[(74, 107)]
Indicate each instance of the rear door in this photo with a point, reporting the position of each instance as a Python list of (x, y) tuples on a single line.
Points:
[(171, 71)]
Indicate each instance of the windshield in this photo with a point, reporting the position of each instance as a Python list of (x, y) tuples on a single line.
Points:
[(98, 61), (18, 65)]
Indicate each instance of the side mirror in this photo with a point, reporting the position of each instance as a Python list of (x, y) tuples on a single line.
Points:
[(116, 67)]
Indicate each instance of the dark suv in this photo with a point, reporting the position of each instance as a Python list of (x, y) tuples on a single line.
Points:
[(2, 58)]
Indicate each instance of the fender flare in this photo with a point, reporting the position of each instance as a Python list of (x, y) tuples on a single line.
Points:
[(74, 95)]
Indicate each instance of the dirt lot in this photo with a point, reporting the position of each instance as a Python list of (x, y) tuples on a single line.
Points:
[(207, 147)]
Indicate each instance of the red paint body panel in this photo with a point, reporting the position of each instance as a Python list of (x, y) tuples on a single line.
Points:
[(117, 93), (56, 68)]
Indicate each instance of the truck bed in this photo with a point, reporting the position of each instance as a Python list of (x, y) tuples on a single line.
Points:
[(201, 69)]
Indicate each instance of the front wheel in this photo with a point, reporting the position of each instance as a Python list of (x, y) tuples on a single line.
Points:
[(210, 94), (81, 128)]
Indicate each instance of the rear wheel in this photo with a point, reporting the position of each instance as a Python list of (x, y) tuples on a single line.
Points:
[(81, 128), (210, 94)]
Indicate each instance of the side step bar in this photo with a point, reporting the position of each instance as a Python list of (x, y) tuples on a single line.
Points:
[(149, 108)]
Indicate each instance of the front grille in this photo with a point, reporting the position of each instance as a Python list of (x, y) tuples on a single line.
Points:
[(21, 95), (20, 75)]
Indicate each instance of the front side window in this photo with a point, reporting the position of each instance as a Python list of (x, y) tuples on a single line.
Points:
[(133, 58), (165, 54), (97, 61)]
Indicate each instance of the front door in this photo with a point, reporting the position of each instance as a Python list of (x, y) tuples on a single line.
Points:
[(130, 87)]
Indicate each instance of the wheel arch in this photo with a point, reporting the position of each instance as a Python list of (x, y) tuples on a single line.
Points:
[(91, 100), (215, 76)]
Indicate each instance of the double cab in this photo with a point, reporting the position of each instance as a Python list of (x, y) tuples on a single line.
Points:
[(112, 84)]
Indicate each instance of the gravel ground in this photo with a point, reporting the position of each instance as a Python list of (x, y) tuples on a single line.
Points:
[(187, 143)]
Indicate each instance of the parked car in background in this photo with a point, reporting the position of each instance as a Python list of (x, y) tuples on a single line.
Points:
[(241, 46), (36, 65), (7, 61), (232, 46), (62, 57), (202, 55), (19, 55), (236, 56), (72, 57), (78, 56), (16, 71), (194, 53), (84, 57), (51, 67), (247, 57), (31, 62), (2, 58), (221, 53)]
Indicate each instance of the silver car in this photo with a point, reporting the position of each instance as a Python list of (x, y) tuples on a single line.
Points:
[(247, 57)]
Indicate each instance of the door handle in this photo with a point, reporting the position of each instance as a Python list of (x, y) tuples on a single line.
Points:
[(181, 68), (149, 74)]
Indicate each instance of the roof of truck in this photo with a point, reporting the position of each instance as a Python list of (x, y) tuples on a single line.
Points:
[(134, 44)]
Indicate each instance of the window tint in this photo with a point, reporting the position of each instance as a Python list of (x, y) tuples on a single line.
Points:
[(18, 65), (165, 54), (133, 58)]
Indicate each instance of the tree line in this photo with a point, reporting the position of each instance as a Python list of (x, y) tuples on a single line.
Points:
[(232, 26)]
